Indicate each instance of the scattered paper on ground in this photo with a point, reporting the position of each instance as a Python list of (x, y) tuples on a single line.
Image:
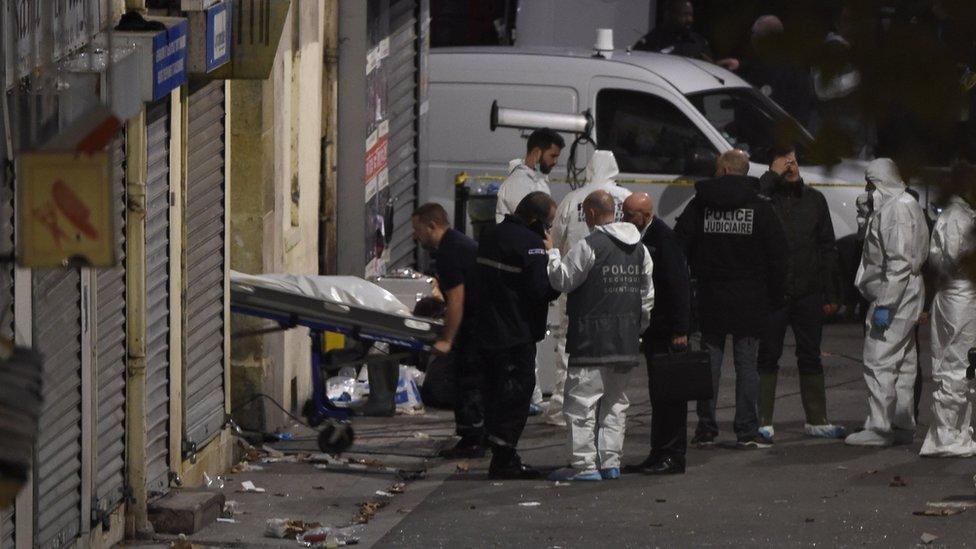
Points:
[(248, 486)]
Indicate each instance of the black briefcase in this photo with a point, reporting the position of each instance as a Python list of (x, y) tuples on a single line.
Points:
[(680, 377)]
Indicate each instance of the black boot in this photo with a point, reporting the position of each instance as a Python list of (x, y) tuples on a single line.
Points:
[(471, 446), (668, 465), (383, 378), (507, 465)]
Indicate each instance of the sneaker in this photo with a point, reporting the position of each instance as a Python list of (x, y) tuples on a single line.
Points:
[(571, 474), (610, 473), (534, 409), (703, 440), (868, 437), (824, 431), (755, 443), (767, 432)]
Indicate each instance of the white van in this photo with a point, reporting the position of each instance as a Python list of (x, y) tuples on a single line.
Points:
[(664, 117)]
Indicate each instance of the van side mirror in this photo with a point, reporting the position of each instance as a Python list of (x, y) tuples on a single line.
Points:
[(701, 162)]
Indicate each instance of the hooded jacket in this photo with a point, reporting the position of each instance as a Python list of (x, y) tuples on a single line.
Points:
[(607, 277), (521, 181), (812, 260), (896, 241), (737, 250), (569, 226)]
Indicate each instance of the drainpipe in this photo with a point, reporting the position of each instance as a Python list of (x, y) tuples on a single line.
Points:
[(135, 289), (328, 197)]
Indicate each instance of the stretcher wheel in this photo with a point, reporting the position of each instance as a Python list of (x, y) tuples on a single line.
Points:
[(335, 437)]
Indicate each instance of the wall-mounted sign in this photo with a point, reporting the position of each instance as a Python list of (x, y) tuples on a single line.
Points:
[(210, 38), (160, 57), (64, 210), (255, 31)]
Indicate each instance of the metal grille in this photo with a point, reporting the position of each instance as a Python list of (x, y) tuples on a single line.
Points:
[(157, 300), (57, 470), (110, 356), (7, 539), (403, 129), (204, 279)]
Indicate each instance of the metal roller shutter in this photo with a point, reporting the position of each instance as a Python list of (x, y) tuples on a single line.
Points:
[(402, 97), (6, 304), (157, 300), (204, 276), (7, 539), (110, 357), (57, 470)]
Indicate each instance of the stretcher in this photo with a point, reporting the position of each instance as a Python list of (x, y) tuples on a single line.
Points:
[(324, 304)]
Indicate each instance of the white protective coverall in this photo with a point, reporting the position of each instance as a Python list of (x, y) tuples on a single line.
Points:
[(953, 334), (569, 228), (521, 181), (896, 244), (597, 442)]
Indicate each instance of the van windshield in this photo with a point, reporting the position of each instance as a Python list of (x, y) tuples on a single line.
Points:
[(751, 121)]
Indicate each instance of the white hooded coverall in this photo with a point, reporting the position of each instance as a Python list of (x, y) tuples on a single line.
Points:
[(569, 228), (595, 398), (953, 334), (521, 181), (896, 244)]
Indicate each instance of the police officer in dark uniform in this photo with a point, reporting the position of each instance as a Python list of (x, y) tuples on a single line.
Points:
[(737, 250), (669, 328), (511, 320), (454, 254)]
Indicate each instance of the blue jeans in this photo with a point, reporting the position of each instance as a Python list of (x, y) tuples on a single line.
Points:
[(745, 352)]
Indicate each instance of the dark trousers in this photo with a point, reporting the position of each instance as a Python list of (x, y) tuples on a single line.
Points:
[(669, 420), (469, 379), (805, 316), (510, 382)]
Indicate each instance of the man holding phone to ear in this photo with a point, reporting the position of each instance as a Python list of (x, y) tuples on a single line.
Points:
[(511, 270)]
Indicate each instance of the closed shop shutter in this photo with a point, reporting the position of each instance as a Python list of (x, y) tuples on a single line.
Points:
[(57, 470), (204, 275), (157, 300), (7, 529), (403, 148), (6, 304), (110, 357)]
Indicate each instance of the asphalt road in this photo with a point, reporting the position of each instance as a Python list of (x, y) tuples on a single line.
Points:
[(802, 492)]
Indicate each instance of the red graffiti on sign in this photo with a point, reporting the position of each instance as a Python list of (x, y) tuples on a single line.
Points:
[(64, 200)]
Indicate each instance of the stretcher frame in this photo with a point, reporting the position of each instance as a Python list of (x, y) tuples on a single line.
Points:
[(291, 310)]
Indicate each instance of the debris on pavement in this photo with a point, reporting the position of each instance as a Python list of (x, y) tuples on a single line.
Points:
[(398, 488), (384, 494), (330, 537), (966, 503), (898, 482), (463, 467), (928, 538), (368, 509), (249, 487), (421, 436), (230, 509), (285, 528), (227, 520), (214, 483), (245, 467), (939, 512), (529, 504)]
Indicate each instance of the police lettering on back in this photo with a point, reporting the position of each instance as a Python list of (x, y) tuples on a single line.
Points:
[(621, 279), (729, 221)]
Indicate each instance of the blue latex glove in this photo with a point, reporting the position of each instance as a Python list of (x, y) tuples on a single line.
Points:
[(881, 318)]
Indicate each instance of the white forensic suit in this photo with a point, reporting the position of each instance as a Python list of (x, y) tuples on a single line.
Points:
[(608, 278), (896, 244), (569, 228), (521, 181), (953, 334)]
